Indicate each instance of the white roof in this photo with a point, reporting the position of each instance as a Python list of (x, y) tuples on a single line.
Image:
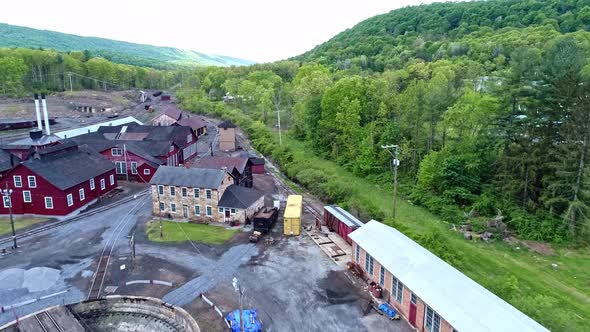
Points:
[(462, 302), (93, 128)]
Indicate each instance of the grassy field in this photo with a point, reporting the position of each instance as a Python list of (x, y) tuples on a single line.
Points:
[(19, 223), (177, 232), (557, 296)]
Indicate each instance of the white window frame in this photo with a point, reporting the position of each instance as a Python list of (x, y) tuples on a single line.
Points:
[(172, 207), (160, 190), (121, 167), (369, 263), (396, 292), (146, 171), (184, 192), (81, 194), (232, 211), (172, 190), (50, 200), (70, 199), (30, 199), (102, 184), (32, 184), (6, 201), (112, 179), (19, 183), (382, 276), (208, 210), (92, 185), (208, 193), (162, 206), (221, 210), (119, 152), (196, 192), (134, 167), (358, 253), (197, 210), (431, 327)]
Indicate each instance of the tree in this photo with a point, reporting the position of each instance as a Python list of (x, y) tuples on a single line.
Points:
[(12, 71)]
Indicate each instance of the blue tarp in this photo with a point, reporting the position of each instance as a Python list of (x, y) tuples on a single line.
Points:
[(251, 322), (388, 310)]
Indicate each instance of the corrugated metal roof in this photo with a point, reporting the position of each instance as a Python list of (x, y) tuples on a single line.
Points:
[(462, 302), (94, 127), (343, 216), (188, 177)]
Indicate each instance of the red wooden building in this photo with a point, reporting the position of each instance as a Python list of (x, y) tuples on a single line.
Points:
[(340, 221), (57, 181), (257, 165)]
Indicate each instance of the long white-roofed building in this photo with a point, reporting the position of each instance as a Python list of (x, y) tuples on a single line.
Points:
[(431, 294)]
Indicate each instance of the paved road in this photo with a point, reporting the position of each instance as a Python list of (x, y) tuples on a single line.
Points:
[(72, 251)]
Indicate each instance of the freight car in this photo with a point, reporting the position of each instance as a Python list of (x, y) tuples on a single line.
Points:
[(264, 219)]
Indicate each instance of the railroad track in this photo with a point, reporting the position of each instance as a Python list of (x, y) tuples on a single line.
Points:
[(306, 205), (60, 223), (47, 322), (105, 258)]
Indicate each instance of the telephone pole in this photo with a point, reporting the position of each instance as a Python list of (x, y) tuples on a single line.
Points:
[(6, 194), (393, 150), (71, 86), (279, 124)]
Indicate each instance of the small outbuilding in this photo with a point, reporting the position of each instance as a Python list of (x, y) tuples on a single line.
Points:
[(240, 203), (257, 165), (227, 136), (340, 221)]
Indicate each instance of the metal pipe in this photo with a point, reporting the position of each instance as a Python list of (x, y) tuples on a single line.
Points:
[(38, 112), (45, 114)]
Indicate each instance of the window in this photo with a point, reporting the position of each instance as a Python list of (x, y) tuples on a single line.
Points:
[(196, 192), (397, 289), (172, 207), (413, 298), (358, 254), (146, 171), (162, 206), (184, 192), (209, 211), (6, 200), (116, 152), (49, 202), (18, 181), (368, 263), (208, 193), (121, 167), (32, 181), (102, 185), (233, 211), (82, 196), (220, 210), (432, 319), (133, 167), (70, 198), (197, 210), (92, 184), (161, 190), (112, 179), (382, 276), (26, 196), (172, 191)]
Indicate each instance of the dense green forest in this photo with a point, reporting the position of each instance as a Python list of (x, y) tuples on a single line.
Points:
[(487, 100), (25, 70), (113, 50)]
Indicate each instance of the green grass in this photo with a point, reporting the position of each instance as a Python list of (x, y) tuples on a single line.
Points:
[(19, 223), (566, 306), (177, 232)]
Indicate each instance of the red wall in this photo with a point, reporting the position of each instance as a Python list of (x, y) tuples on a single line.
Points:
[(257, 169), (44, 188), (141, 165)]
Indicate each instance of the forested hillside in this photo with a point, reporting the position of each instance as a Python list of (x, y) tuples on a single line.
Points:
[(26, 70), (487, 100), (113, 50)]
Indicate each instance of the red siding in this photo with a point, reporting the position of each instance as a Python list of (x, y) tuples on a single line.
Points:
[(257, 169), (338, 226), (46, 189)]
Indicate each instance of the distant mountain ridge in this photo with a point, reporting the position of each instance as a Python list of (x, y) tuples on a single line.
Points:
[(114, 50)]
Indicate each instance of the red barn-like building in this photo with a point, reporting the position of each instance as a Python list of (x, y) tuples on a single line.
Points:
[(340, 221), (257, 165), (58, 181)]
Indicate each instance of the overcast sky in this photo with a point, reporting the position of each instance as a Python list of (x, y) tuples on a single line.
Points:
[(259, 30)]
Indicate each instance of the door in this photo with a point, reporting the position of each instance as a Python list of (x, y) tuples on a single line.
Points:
[(227, 215), (412, 316), (185, 211)]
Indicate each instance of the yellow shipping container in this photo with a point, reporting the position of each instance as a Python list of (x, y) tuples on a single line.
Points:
[(292, 217)]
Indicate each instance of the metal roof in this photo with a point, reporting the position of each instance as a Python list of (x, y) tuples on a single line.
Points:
[(239, 197), (343, 216), (218, 162), (94, 127), (462, 302), (8, 160), (188, 177)]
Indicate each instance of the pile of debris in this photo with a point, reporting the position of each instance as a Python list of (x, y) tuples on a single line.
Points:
[(492, 229)]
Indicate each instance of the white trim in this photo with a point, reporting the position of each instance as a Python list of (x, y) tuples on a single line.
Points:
[(81, 194), (112, 179), (50, 206), (173, 208), (20, 181), (134, 169), (195, 210), (25, 197), (162, 206), (92, 185), (196, 193), (208, 194), (207, 208), (119, 152), (6, 201), (70, 199), (29, 178), (171, 191), (146, 171), (102, 184), (184, 191), (160, 190)]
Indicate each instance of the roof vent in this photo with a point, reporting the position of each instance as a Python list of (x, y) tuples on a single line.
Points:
[(36, 134)]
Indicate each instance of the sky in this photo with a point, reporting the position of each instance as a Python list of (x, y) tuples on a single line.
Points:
[(257, 30)]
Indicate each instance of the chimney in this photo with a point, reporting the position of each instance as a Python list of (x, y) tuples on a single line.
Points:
[(45, 115), (36, 134), (38, 112)]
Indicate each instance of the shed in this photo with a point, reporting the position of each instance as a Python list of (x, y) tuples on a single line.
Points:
[(340, 221), (257, 165)]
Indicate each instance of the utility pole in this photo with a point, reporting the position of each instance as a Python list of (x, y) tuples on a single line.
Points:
[(394, 164), (279, 123), (6, 194), (238, 287), (125, 157), (71, 86)]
